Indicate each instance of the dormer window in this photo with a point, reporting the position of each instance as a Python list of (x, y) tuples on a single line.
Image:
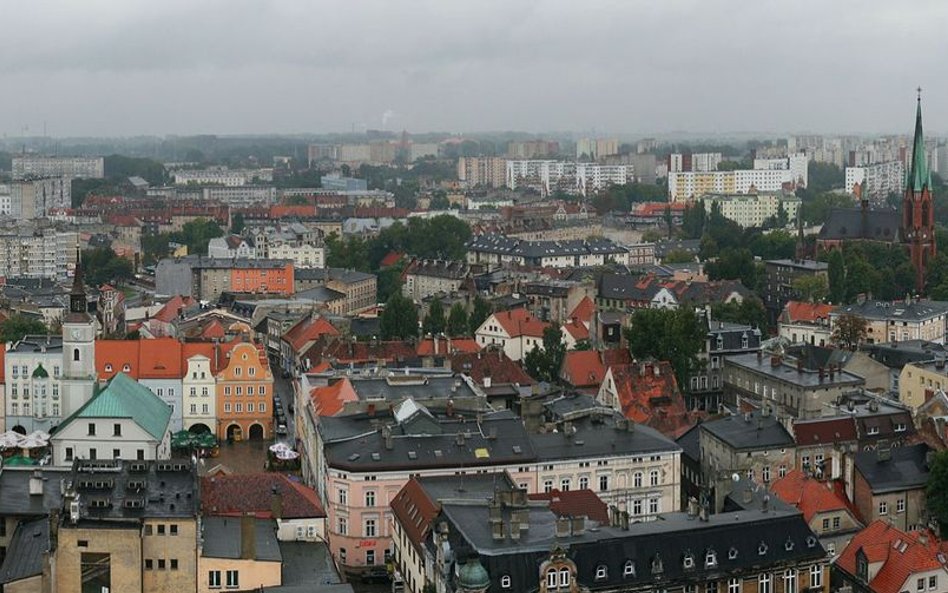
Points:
[(505, 581), (657, 566), (762, 549), (710, 559), (732, 553), (872, 430), (601, 572), (811, 541), (900, 427), (689, 561), (788, 546), (108, 368), (629, 569), (126, 368)]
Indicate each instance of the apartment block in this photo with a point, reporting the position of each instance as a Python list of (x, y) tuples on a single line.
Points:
[(28, 166)]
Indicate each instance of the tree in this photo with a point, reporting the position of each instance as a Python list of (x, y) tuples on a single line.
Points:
[(18, 326), (434, 323), (837, 277), (734, 264), (850, 330), (458, 321), (678, 256), (197, 233), (749, 311), (543, 363), (237, 223), (812, 289), (399, 320), (479, 313), (936, 489), (693, 219), (102, 266), (675, 335)]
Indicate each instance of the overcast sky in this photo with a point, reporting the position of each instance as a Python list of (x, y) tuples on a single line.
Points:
[(122, 67)]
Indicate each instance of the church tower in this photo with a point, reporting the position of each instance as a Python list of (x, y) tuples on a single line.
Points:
[(79, 375), (918, 213)]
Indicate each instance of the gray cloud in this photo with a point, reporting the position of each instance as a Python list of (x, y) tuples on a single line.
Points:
[(112, 67)]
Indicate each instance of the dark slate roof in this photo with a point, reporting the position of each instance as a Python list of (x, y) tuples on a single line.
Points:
[(15, 486), (24, 557), (868, 225), (599, 436), (562, 406), (787, 372), (690, 443), (895, 355), (663, 248), (343, 275), (33, 343), (800, 264), (395, 389), (222, 538), (365, 327), (500, 244), (307, 565), (918, 310), (906, 470), (752, 431), (668, 539), (621, 287), (169, 489)]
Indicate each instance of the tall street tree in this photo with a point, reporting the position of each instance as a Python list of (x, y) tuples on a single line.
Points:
[(675, 335), (458, 321), (434, 323), (399, 320), (850, 330)]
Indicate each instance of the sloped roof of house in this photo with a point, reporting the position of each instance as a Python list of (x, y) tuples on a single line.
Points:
[(575, 503), (173, 307), (583, 368), (583, 311), (308, 329), (519, 322), (648, 394), (126, 398), (330, 399), (799, 311), (901, 553), (447, 346), (808, 494), (577, 329), (821, 431), (253, 493), (490, 363)]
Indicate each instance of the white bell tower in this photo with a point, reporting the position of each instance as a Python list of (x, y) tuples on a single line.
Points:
[(79, 374)]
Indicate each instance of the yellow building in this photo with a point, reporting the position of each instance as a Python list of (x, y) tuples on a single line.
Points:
[(238, 553), (918, 379)]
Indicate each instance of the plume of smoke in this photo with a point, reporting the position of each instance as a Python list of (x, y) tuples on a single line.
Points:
[(387, 115)]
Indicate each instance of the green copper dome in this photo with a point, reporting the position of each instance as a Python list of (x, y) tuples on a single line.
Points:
[(473, 576)]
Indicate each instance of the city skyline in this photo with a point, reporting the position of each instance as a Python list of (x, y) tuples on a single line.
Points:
[(295, 68)]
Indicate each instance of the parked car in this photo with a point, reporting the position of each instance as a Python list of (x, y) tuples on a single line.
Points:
[(281, 429)]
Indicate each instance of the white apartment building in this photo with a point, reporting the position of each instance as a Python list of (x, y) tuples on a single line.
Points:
[(752, 210), (420, 150), (304, 255), (241, 195), (221, 176), (796, 163), (596, 148), (6, 200), (877, 181), (200, 396), (53, 166), (583, 177), (482, 170), (690, 185), (33, 198), (354, 153), (46, 253), (706, 161)]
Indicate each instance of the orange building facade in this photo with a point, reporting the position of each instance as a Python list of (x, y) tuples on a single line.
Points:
[(245, 394), (271, 279)]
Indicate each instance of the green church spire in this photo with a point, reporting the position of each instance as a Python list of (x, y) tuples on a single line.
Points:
[(919, 176)]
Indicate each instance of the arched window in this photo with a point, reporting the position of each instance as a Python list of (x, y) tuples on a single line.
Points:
[(925, 214), (75, 354), (629, 569), (564, 577), (551, 579)]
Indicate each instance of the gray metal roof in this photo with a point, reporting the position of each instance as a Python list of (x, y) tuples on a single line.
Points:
[(752, 431), (786, 372), (907, 468), (15, 488), (919, 310), (24, 556), (222, 538)]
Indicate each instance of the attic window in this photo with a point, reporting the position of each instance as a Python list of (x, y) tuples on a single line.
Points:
[(601, 572), (732, 553), (108, 368), (789, 545), (762, 549), (689, 561), (629, 569), (710, 559), (505, 581), (657, 566), (811, 541), (126, 368)]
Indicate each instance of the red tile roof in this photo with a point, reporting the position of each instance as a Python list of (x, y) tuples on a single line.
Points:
[(232, 496), (824, 431), (390, 259), (308, 330), (173, 307), (490, 363), (447, 346), (582, 368), (808, 494), (577, 329), (159, 359), (519, 322), (415, 511), (652, 398), (807, 312), (901, 554), (329, 400), (215, 329), (575, 503), (344, 351), (583, 310)]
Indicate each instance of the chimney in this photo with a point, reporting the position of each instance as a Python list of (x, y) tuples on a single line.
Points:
[(760, 355), (692, 507), (765, 506), (577, 525), (562, 527), (276, 503), (703, 513), (449, 412), (36, 483), (248, 537), (748, 496), (799, 365), (387, 437), (497, 531), (822, 374)]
